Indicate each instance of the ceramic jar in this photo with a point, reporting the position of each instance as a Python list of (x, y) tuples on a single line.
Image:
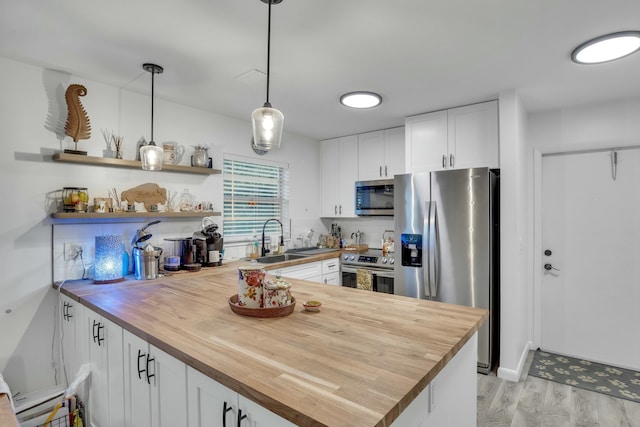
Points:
[(276, 293), (250, 281)]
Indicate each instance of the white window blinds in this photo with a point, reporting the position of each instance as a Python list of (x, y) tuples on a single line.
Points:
[(253, 193)]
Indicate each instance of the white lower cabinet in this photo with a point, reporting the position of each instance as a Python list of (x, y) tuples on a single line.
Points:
[(212, 404), (331, 271), (155, 385), (105, 403), (326, 271), (450, 399), (311, 271), (75, 340)]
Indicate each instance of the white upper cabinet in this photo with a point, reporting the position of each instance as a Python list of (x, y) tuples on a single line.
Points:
[(339, 158), (458, 138), (380, 154)]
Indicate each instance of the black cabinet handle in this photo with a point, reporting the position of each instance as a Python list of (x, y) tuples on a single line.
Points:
[(149, 375), (68, 313), (241, 417), (95, 336), (100, 337), (226, 408), (65, 311), (140, 371)]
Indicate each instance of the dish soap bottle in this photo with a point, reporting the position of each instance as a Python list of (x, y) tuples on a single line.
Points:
[(255, 253)]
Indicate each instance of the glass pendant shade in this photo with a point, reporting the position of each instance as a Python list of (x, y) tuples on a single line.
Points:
[(151, 156), (267, 125)]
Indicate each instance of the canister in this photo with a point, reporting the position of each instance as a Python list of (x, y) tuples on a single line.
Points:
[(250, 278), (276, 293)]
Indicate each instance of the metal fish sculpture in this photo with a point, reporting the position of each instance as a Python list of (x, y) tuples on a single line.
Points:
[(77, 126)]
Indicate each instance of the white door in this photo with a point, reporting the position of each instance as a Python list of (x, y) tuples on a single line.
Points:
[(591, 225)]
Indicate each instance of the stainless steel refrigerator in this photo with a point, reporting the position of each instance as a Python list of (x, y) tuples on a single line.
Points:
[(447, 245)]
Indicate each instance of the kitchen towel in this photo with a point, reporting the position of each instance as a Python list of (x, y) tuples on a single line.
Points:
[(364, 279)]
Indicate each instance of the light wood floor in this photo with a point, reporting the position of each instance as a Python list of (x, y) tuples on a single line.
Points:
[(536, 402)]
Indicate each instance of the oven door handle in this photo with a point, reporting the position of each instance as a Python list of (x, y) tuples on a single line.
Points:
[(382, 272)]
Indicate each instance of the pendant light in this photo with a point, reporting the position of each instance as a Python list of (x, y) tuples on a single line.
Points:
[(267, 121), (151, 154)]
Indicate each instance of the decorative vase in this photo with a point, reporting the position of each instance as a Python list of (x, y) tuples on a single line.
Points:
[(200, 156)]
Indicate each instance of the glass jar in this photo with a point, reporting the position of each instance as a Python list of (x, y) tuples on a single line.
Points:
[(187, 200), (200, 156)]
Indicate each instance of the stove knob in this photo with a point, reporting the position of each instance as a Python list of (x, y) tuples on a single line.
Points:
[(392, 261), (352, 257), (384, 260), (345, 257)]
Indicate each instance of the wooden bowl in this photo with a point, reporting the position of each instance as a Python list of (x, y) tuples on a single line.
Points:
[(261, 312)]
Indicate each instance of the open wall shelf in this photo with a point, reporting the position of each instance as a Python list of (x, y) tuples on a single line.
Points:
[(128, 164), (93, 217)]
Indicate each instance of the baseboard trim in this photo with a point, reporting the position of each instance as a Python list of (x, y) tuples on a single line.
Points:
[(514, 375)]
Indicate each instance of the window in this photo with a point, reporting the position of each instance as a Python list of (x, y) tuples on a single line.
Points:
[(254, 191)]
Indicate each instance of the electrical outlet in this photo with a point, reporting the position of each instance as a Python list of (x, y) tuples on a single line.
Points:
[(72, 251)]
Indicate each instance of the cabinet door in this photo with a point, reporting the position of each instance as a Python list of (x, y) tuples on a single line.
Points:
[(169, 392), (253, 415), (473, 136), (393, 152), (371, 162), (311, 271), (210, 403), (105, 356), (330, 158), (426, 142), (137, 381), (68, 322), (331, 279), (348, 176)]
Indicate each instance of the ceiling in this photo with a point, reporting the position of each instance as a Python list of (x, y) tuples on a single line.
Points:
[(420, 55)]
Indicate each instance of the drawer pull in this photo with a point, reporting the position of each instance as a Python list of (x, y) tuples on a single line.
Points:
[(149, 375)]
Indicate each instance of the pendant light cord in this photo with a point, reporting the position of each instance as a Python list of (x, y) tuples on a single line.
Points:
[(268, 50), (153, 74)]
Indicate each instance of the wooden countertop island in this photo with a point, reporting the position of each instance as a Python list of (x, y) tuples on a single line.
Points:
[(360, 361)]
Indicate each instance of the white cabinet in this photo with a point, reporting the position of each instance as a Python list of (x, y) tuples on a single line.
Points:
[(106, 403), (311, 271), (75, 339), (339, 160), (155, 385), (450, 399), (331, 271), (458, 138), (381, 154), (212, 404)]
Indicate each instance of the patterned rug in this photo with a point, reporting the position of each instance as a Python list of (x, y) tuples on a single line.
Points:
[(615, 382)]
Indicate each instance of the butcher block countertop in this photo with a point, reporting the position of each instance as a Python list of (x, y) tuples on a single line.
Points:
[(359, 361)]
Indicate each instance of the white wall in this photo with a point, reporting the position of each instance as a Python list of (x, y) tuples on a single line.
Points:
[(515, 239), (33, 113)]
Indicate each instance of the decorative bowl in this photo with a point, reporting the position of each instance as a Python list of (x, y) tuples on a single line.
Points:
[(312, 305)]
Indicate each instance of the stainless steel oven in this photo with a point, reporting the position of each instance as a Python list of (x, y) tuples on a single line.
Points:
[(381, 268)]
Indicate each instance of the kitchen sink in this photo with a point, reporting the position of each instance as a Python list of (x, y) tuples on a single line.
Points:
[(270, 259)]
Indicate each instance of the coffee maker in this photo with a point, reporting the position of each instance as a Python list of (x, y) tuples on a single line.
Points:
[(209, 244)]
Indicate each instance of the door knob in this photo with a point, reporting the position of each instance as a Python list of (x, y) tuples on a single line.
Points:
[(547, 252), (549, 267)]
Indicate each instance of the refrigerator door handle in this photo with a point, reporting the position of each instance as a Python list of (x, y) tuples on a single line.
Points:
[(435, 236), (431, 274)]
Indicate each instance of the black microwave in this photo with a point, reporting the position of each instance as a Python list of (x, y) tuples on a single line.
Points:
[(374, 197)]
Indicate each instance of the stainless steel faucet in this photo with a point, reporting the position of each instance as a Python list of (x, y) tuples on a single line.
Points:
[(265, 251)]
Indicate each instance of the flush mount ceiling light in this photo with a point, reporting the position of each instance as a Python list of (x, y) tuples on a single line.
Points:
[(267, 121), (607, 48), (361, 99), (151, 155)]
